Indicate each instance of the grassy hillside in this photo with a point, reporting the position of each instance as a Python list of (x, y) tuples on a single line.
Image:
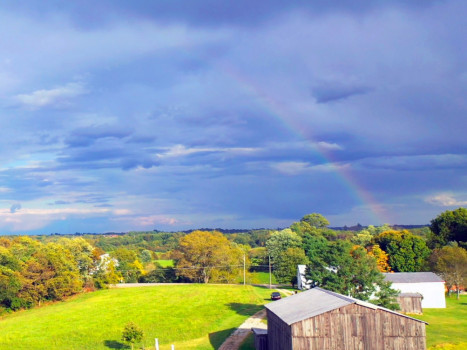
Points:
[(447, 328), (189, 316)]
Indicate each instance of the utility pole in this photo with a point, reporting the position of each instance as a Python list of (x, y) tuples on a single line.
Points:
[(244, 270), (269, 271)]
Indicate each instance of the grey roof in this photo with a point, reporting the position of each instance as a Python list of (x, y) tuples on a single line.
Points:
[(315, 302), (411, 295), (412, 277), (260, 331)]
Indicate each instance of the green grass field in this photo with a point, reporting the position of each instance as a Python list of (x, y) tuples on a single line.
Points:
[(165, 263), (262, 278), (447, 328), (188, 316)]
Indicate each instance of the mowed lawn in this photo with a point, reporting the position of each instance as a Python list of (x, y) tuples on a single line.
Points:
[(188, 316), (447, 328)]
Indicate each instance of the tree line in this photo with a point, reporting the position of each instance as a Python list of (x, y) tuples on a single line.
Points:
[(38, 269)]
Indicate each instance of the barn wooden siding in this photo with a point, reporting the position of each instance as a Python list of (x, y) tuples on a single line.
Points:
[(352, 327), (279, 333), (411, 304)]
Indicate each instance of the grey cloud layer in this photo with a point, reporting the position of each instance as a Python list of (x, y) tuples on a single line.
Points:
[(240, 113)]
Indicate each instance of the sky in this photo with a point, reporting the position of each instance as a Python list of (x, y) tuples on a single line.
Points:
[(173, 115)]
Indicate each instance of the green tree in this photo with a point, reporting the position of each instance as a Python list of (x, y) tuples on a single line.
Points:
[(10, 285), (315, 220), (343, 268), (132, 334), (285, 266), (280, 241), (407, 252), (451, 263), (450, 225), (146, 256), (82, 253), (128, 264)]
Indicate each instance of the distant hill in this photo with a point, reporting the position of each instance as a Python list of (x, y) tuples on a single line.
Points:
[(359, 227)]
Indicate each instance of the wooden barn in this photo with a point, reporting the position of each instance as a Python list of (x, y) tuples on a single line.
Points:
[(322, 320)]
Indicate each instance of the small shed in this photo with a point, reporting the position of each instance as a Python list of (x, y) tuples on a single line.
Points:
[(428, 284), (319, 319), (410, 303), (261, 338)]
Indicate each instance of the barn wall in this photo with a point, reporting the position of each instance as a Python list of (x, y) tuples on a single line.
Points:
[(279, 334), (433, 292), (355, 327), (410, 304)]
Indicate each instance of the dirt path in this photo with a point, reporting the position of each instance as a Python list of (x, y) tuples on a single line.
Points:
[(234, 341), (286, 292)]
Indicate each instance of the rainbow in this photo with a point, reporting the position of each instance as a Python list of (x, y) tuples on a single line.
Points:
[(274, 109)]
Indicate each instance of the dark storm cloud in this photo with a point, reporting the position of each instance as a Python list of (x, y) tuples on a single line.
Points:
[(204, 12), (330, 93), (60, 202), (240, 113), (87, 136)]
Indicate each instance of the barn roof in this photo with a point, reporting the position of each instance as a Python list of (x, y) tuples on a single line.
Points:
[(412, 277), (411, 295), (314, 302)]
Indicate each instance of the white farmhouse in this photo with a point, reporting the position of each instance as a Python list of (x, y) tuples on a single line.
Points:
[(428, 284)]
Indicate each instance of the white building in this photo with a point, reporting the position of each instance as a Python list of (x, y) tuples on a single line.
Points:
[(428, 284), (302, 283)]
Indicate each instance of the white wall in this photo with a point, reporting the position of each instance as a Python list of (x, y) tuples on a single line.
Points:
[(301, 280), (433, 292)]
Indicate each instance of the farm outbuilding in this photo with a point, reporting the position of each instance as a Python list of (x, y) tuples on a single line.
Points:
[(318, 319), (428, 284), (410, 303)]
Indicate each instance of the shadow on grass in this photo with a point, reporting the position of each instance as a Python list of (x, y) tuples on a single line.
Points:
[(113, 344), (245, 309), (217, 338)]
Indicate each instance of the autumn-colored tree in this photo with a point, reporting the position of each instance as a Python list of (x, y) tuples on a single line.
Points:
[(451, 263), (407, 252), (66, 279), (202, 255), (381, 258)]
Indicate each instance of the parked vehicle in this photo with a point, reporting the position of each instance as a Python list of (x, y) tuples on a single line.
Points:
[(275, 296)]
